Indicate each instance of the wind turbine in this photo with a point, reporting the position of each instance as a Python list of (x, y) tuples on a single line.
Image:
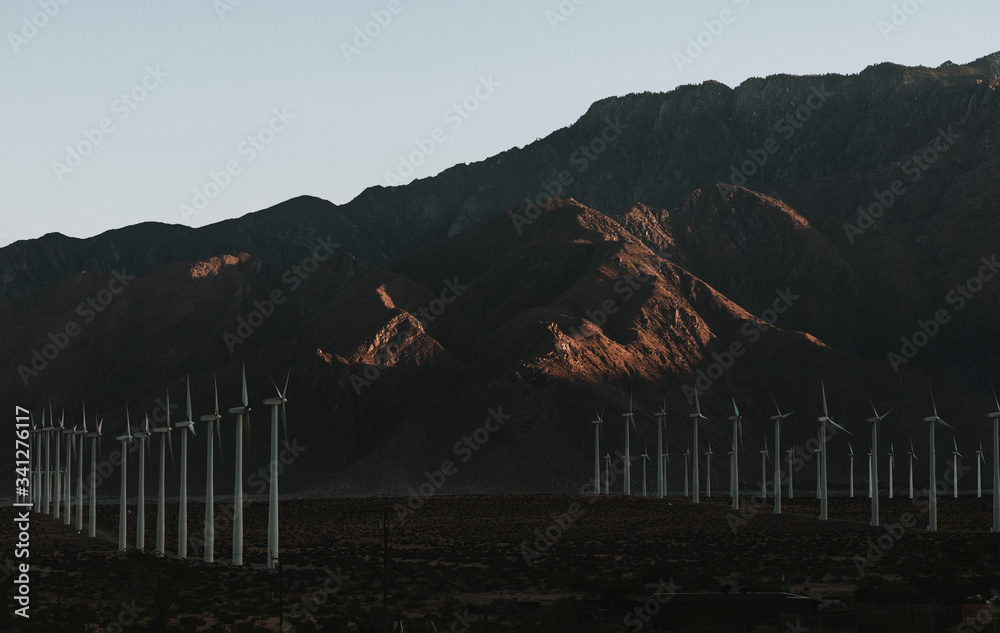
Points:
[(819, 472), (777, 452), (695, 417), (47, 432), (122, 505), (187, 426), (597, 451), (913, 456), (980, 460), (734, 469), (732, 473), (645, 458), (242, 414), (68, 435), (824, 501), (666, 459), (607, 471), (892, 467), (660, 417), (873, 477), (850, 455), (764, 455), (272, 501), (932, 420), (629, 418), (140, 520), (868, 478), (79, 473), (213, 421), (161, 518), (687, 464), (35, 454), (92, 516), (955, 455), (58, 472), (708, 471), (791, 473), (995, 417)]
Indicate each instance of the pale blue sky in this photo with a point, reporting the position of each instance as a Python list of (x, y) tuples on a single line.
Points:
[(225, 77)]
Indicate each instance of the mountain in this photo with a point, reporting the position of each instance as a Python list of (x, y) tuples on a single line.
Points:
[(739, 241)]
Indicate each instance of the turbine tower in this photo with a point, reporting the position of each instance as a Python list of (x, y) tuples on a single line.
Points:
[(732, 478), (791, 473), (868, 477), (92, 516), (666, 459), (824, 500), (597, 451), (734, 467), (213, 421), (122, 507), (140, 519), (932, 508), (58, 472), (272, 498), (627, 489), (161, 518), (708, 471), (607, 471), (645, 458), (47, 432), (36, 452), (873, 477), (980, 460), (777, 453), (187, 426), (955, 455), (695, 417), (79, 472), (892, 468), (913, 456), (995, 417), (660, 417), (242, 415), (850, 456), (764, 455), (687, 465), (68, 435)]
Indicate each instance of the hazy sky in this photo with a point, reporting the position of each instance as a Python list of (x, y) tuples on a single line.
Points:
[(153, 98)]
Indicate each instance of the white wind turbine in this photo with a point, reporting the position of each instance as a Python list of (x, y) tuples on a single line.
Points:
[(732, 478), (995, 417), (123, 501), (764, 456), (213, 421), (892, 468), (69, 435), (79, 472), (932, 508), (628, 455), (913, 457), (607, 473), (791, 473), (272, 501), (777, 453), (708, 471), (695, 418), (161, 515), (824, 501), (873, 476), (187, 426), (850, 456), (140, 521), (868, 478), (92, 515), (36, 452), (58, 474), (660, 474), (597, 451), (687, 465), (47, 473), (819, 472), (955, 455), (666, 460), (242, 413), (980, 460), (734, 467), (645, 458)]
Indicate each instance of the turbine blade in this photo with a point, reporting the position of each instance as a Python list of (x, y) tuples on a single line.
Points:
[(284, 421), (839, 427), (215, 383), (189, 415), (170, 445), (823, 386), (168, 407), (246, 401), (288, 377)]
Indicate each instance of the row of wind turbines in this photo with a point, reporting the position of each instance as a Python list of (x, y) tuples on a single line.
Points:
[(51, 484), (779, 477)]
